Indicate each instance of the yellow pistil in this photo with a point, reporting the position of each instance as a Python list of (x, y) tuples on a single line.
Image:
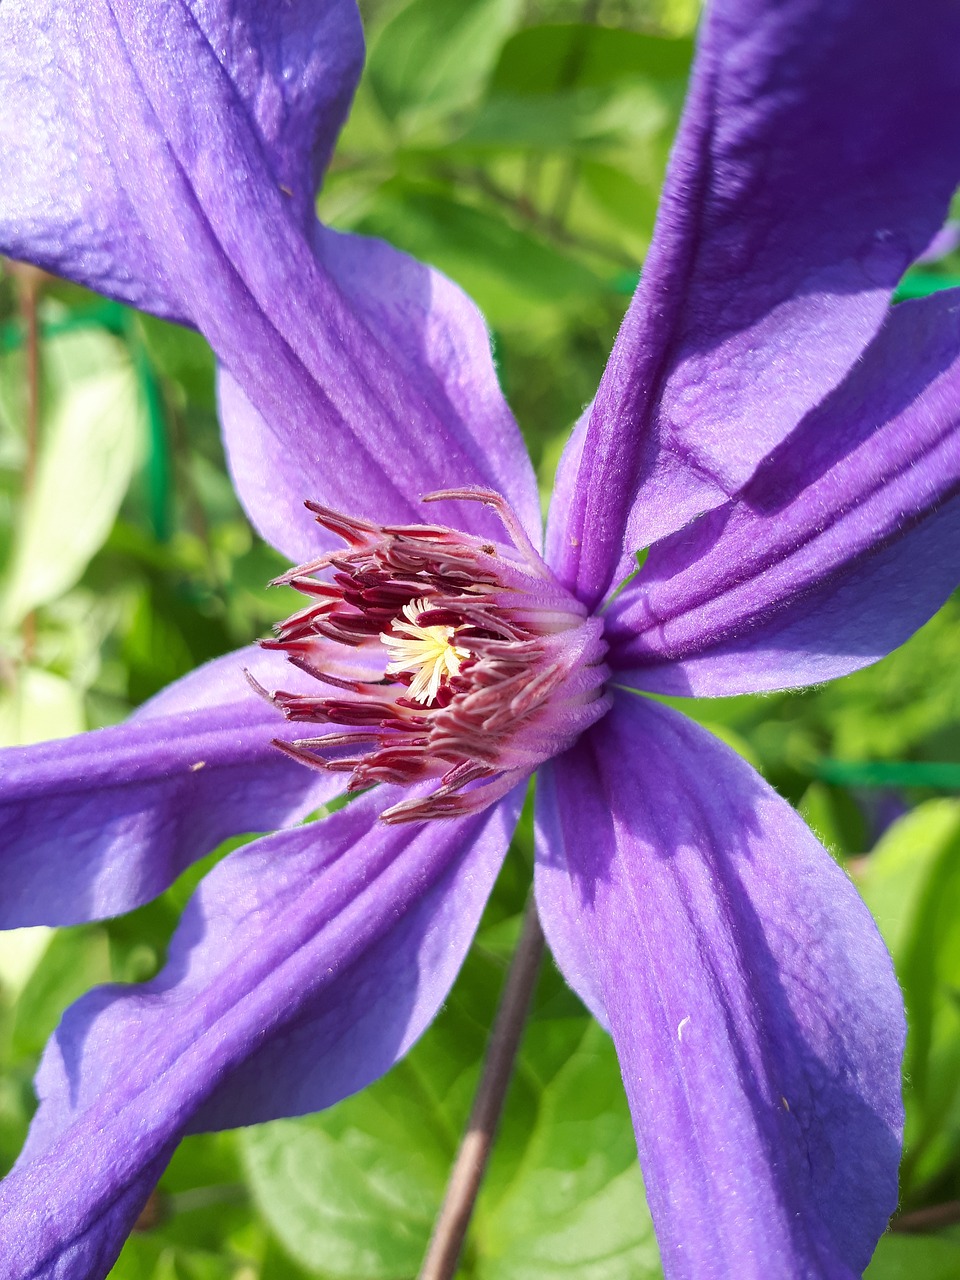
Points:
[(428, 652)]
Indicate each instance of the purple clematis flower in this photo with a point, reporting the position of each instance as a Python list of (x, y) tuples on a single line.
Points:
[(783, 441)]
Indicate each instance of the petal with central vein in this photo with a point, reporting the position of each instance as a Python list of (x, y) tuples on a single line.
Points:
[(816, 158), (304, 966), (846, 540), (97, 824), (441, 422), (66, 205), (365, 379), (754, 1008)]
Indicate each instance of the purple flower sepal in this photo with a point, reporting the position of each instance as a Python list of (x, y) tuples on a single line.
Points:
[(785, 444)]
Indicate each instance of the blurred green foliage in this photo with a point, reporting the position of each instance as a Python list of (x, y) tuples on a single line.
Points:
[(520, 147)]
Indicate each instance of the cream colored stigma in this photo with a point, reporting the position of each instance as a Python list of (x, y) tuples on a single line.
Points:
[(427, 652)]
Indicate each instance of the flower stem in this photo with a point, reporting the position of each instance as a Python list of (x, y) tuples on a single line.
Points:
[(932, 1217), (468, 1169)]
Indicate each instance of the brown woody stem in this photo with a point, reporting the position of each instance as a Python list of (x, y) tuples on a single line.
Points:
[(468, 1169), (931, 1218)]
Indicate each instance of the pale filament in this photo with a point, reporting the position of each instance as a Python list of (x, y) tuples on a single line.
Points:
[(427, 652)]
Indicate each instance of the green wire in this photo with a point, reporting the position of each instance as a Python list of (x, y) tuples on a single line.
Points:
[(920, 284), (883, 773)]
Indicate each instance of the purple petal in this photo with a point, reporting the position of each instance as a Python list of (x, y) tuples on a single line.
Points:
[(564, 493), (318, 954), (754, 1008), (370, 375), (451, 425), (846, 540), (97, 824), (816, 159), (70, 202)]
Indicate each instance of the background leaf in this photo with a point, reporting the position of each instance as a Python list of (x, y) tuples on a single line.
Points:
[(89, 443), (912, 884), (433, 57), (915, 1258)]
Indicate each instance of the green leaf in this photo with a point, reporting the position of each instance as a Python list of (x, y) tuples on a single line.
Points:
[(905, 1257), (912, 884), (435, 57), (624, 201), (37, 705), (21, 950), (352, 1193), (915, 862), (89, 443), (835, 817), (182, 356), (74, 961), (145, 1257), (197, 1225), (507, 271), (564, 1195), (921, 284), (545, 59), (582, 120)]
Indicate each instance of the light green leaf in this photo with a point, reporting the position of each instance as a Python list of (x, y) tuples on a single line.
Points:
[(74, 961), (146, 1258), (434, 57), (89, 443), (834, 816), (37, 705), (622, 200), (565, 1195), (896, 880), (577, 120), (20, 952), (352, 1205), (352, 1193), (679, 17), (507, 271), (912, 884)]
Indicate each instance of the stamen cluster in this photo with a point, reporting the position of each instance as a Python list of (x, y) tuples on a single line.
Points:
[(454, 658)]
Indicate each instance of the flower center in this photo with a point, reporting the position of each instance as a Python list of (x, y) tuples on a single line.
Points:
[(491, 665), (426, 652)]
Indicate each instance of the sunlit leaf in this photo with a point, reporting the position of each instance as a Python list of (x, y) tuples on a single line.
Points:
[(505, 269), (912, 884), (20, 952), (73, 962), (435, 56), (36, 705), (89, 443)]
